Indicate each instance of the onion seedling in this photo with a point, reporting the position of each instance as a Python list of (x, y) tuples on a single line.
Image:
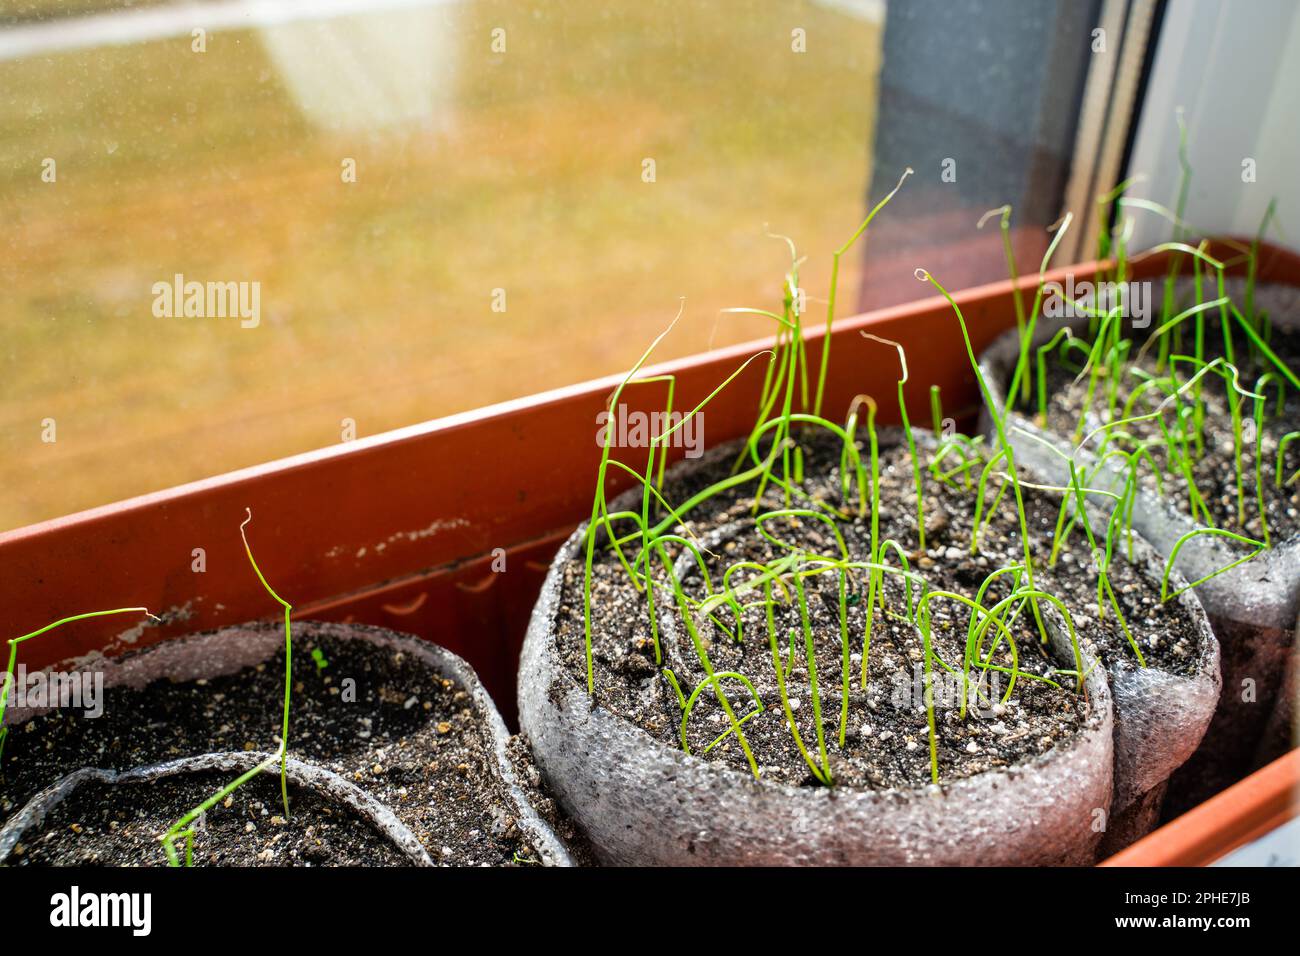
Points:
[(907, 432), (835, 275), (182, 830), (13, 656)]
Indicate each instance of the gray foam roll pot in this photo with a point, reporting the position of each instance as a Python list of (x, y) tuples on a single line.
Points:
[(229, 650), (1252, 609), (324, 783), (1160, 716), (643, 802)]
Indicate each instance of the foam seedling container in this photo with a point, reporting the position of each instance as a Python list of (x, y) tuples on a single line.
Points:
[(25, 825), (642, 801), (1251, 608), (376, 767)]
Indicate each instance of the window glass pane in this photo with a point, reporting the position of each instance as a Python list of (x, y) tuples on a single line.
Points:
[(496, 146)]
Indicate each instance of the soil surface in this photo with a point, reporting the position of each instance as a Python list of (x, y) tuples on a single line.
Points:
[(378, 717), (1214, 472), (884, 728), (100, 825)]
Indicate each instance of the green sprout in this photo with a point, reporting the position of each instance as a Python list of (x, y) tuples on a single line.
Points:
[(835, 274), (1004, 224), (182, 829), (1282, 444), (907, 431), (1260, 547), (13, 654)]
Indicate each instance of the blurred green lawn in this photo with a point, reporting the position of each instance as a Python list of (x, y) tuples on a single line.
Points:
[(524, 175)]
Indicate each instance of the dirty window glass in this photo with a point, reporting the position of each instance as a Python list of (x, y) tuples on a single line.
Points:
[(240, 230)]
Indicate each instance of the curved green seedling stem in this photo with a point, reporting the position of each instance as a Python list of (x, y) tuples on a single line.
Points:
[(687, 616), (1201, 256), (1019, 595), (729, 592), (13, 656), (850, 451), (712, 680), (835, 275), (792, 301), (640, 581), (598, 504), (1260, 546), (1039, 594), (813, 691), (668, 411), (606, 522), (988, 617), (873, 577), (662, 440), (971, 630), (970, 449), (600, 509), (1022, 362), (1004, 227), (1236, 391), (761, 520), (1272, 378), (1104, 217), (1078, 492), (818, 772), (1156, 413), (672, 680), (288, 662), (875, 569), (1282, 444), (775, 373), (181, 829), (981, 490), (773, 571), (1043, 350), (1177, 320), (678, 515), (1175, 246), (907, 431), (889, 544), (1264, 348), (790, 327)]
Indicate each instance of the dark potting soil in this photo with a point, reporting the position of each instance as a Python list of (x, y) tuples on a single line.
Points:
[(100, 825), (403, 733), (1164, 632), (885, 729), (1215, 471)]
